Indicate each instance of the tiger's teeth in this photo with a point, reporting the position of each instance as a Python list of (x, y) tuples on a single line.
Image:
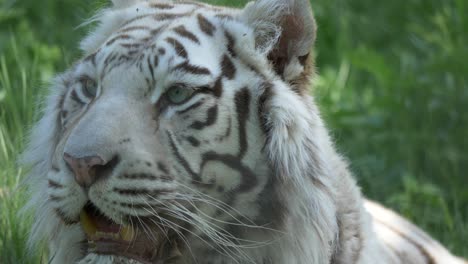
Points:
[(127, 233), (88, 225)]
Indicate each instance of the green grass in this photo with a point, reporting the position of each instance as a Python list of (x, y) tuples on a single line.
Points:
[(16, 109), (393, 89)]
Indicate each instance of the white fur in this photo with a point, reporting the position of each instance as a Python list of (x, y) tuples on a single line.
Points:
[(324, 217)]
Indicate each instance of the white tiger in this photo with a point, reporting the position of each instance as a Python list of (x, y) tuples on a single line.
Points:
[(186, 134)]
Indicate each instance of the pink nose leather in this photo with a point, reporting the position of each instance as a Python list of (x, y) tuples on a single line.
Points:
[(84, 168)]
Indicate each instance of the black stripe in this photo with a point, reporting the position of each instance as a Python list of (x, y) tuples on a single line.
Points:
[(262, 108), (228, 131), (61, 102), (156, 31), (139, 176), (114, 39), (54, 198), (190, 108), (224, 16), (242, 101), (147, 176), (74, 97), (136, 18), (128, 29), (182, 31), (161, 6), (150, 66), (179, 48), (132, 53), (92, 58), (248, 177), (228, 68), (131, 46), (161, 17), (205, 25), (192, 69), (218, 87), (193, 141), (424, 252), (230, 44), (212, 115), (141, 191), (55, 185), (109, 59), (155, 61), (195, 177), (116, 61), (65, 218), (157, 17), (162, 167)]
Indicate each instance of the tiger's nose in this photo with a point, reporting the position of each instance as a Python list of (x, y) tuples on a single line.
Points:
[(88, 169)]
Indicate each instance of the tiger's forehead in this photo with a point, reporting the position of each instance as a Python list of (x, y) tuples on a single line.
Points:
[(166, 40)]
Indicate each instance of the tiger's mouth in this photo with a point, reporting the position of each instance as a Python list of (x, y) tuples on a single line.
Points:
[(98, 227), (106, 237)]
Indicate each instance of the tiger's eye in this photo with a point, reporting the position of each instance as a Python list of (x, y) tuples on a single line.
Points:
[(89, 87), (179, 94)]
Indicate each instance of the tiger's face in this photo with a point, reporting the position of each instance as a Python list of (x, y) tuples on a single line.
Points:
[(157, 147), (160, 125)]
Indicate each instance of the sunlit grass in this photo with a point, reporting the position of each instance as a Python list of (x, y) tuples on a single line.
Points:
[(16, 111)]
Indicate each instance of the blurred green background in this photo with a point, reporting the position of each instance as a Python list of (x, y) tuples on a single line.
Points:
[(392, 85)]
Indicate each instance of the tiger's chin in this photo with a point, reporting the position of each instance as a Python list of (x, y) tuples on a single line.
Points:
[(110, 242)]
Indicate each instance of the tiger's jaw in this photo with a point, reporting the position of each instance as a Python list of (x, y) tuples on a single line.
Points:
[(106, 237)]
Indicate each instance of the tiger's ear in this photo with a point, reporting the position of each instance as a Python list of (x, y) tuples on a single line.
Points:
[(286, 30)]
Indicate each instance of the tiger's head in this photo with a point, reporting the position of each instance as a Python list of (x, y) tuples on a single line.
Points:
[(184, 133)]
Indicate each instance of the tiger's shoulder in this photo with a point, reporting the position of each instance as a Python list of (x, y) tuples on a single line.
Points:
[(402, 236)]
